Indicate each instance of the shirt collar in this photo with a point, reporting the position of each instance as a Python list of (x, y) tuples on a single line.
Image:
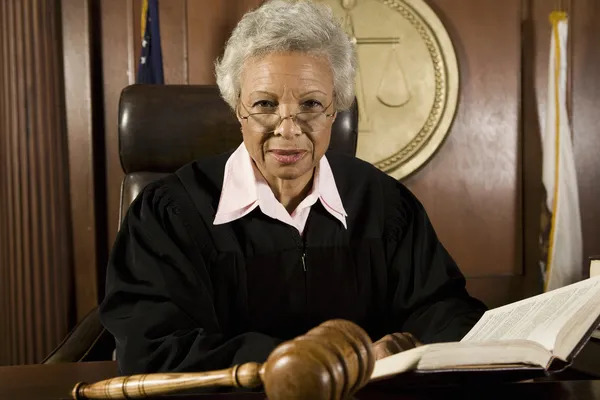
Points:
[(242, 182)]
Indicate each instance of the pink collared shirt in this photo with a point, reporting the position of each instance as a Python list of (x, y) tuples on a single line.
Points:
[(244, 189)]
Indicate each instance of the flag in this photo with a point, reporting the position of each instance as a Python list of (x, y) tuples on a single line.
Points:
[(151, 66), (561, 236)]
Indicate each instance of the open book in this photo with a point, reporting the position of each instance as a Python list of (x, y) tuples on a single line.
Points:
[(542, 332)]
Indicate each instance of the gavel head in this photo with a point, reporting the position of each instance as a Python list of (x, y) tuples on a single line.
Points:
[(330, 362)]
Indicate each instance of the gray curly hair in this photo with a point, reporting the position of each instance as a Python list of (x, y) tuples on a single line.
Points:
[(289, 25)]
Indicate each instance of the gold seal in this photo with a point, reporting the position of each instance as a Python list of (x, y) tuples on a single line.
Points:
[(407, 83)]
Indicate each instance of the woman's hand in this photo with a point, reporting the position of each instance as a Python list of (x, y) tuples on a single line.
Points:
[(394, 343)]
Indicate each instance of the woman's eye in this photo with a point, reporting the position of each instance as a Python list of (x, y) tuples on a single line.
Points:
[(312, 105), (264, 104)]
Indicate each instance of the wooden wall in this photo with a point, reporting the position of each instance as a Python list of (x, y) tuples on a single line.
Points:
[(584, 105), (471, 187), (85, 137), (35, 240)]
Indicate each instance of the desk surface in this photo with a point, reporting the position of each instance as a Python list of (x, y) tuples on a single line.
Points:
[(54, 382)]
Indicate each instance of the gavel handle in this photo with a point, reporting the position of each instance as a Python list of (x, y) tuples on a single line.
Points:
[(139, 386)]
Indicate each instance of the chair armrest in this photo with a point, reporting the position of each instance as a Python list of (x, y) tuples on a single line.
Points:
[(88, 341)]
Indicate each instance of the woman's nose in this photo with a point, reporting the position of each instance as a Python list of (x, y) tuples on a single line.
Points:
[(288, 128)]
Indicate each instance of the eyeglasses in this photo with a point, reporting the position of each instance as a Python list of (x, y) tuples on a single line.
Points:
[(306, 121)]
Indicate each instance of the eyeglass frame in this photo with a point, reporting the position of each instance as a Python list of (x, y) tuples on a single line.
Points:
[(292, 116)]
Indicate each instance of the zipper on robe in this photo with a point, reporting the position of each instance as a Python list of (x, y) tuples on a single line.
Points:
[(302, 248), (307, 319), (303, 239)]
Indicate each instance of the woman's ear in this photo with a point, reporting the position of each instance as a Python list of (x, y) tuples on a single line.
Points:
[(335, 110), (237, 113), (239, 117)]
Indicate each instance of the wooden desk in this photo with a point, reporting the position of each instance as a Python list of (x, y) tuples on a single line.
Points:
[(54, 382)]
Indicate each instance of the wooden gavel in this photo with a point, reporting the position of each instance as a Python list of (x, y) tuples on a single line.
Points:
[(330, 362)]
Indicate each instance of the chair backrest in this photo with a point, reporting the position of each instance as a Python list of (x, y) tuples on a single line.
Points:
[(163, 127)]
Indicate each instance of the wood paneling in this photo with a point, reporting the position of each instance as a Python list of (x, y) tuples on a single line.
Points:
[(118, 66), (5, 232), (497, 291), (208, 28), (585, 75), (79, 103), (534, 51), (174, 28), (470, 188), (36, 239)]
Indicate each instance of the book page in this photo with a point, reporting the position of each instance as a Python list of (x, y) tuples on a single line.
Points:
[(484, 355), (595, 271), (594, 268), (576, 328), (398, 363), (538, 318), (452, 355)]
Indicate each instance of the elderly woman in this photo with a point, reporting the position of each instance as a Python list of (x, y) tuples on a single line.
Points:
[(222, 261)]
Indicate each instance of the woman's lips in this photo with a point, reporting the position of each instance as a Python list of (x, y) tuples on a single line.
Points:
[(287, 156)]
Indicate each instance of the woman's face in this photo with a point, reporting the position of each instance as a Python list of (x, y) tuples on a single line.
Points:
[(286, 83)]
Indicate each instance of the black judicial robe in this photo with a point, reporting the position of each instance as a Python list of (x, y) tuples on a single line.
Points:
[(183, 294)]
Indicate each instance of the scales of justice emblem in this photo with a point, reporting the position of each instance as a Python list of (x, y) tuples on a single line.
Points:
[(407, 81)]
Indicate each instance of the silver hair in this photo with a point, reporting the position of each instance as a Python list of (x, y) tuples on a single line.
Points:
[(289, 25)]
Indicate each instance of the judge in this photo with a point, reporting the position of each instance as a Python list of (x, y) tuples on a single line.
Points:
[(217, 264)]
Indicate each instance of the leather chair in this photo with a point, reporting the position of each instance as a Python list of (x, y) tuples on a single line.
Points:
[(161, 128)]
